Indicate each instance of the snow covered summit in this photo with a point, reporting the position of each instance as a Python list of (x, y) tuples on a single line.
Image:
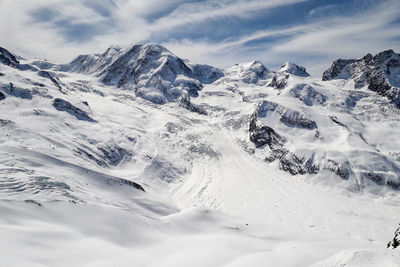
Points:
[(290, 67), (152, 71), (250, 165), (380, 73)]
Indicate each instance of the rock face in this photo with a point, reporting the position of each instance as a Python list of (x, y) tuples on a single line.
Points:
[(151, 70), (63, 105), (396, 240), (287, 115), (380, 73), (10, 89), (262, 134), (7, 58), (185, 103), (308, 95), (54, 79), (281, 78)]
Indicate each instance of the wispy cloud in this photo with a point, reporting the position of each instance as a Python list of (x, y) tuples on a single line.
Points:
[(219, 32), (315, 43)]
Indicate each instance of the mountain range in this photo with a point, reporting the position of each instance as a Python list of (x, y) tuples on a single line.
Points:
[(114, 157)]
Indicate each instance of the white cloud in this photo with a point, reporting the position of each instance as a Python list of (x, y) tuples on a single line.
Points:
[(315, 42), (212, 9)]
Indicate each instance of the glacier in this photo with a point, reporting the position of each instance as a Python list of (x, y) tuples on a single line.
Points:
[(136, 157)]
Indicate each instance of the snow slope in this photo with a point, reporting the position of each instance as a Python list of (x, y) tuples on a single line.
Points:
[(250, 168)]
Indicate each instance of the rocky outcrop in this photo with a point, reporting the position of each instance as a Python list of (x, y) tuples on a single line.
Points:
[(380, 73), (7, 58), (262, 135), (187, 104), (396, 240), (54, 79), (297, 165), (63, 105), (308, 95), (342, 170), (115, 155), (288, 116), (12, 90), (281, 79)]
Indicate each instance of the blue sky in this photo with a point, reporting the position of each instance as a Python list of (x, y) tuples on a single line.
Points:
[(221, 33)]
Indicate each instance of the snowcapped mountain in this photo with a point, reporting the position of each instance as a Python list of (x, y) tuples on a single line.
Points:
[(151, 70), (251, 72), (139, 152), (380, 73)]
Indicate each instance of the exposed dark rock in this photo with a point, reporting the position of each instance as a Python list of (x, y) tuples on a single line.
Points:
[(381, 179), (393, 184), (121, 181), (90, 156), (294, 118), (342, 170), (51, 77), (115, 155), (262, 135), (17, 92), (288, 116), (7, 58), (279, 80), (106, 156), (33, 202), (63, 105), (380, 73), (376, 178), (265, 135), (5, 122), (184, 102), (308, 95), (2, 96), (296, 165), (291, 162), (46, 183), (336, 120), (396, 240)]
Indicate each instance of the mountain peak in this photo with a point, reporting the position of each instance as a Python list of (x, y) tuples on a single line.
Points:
[(380, 73), (249, 72), (152, 71), (8, 58), (292, 68)]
